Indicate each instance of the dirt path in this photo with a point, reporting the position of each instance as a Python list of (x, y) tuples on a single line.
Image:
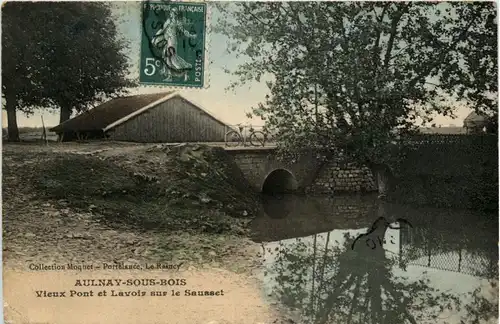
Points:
[(37, 231), (40, 233)]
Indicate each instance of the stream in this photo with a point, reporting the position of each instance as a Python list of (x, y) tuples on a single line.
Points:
[(431, 266)]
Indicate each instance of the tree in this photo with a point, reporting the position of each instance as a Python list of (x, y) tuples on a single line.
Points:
[(477, 81), (76, 59), (354, 76), (21, 80), (352, 286)]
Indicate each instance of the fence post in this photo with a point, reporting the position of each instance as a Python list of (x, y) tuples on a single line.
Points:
[(429, 253), (44, 133), (491, 271), (459, 259), (400, 246)]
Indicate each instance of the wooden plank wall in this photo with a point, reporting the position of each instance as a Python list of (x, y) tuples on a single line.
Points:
[(173, 121)]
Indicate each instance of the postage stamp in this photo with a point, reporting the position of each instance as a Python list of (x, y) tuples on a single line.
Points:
[(173, 44)]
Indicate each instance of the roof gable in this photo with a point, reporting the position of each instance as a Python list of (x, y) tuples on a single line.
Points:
[(475, 117), (154, 104), (118, 111), (100, 117)]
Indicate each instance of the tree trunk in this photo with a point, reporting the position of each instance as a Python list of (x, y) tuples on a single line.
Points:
[(13, 131), (65, 114), (383, 177), (382, 183)]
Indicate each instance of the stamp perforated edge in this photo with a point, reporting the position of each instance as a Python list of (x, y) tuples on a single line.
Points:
[(207, 40)]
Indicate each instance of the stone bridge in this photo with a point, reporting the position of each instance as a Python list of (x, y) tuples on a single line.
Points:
[(458, 170), (267, 174)]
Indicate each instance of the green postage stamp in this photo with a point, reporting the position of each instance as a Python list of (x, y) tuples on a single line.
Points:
[(173, 44)]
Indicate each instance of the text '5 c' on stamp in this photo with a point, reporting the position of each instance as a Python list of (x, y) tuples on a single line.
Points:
[(173, 44)]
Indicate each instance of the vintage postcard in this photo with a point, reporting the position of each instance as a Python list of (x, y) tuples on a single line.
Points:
[(190, 162)]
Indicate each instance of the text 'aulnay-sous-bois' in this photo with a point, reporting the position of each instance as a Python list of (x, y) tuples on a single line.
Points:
[(128, 293)]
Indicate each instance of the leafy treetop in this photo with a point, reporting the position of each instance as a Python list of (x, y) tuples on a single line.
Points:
[(356, 75)]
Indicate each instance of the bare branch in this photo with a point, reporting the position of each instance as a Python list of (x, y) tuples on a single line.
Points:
[(392, 37), (380, 20)]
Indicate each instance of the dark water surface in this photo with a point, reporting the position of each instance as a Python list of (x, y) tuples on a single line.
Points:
[(441, 266)]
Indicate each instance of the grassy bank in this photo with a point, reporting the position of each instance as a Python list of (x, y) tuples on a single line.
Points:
[(183, 203), (181, 188)]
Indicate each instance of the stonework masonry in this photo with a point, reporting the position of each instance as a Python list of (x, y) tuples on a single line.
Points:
[(258, 165), (336, 176)]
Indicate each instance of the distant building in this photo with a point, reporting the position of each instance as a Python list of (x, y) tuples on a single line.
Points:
[(165, 117), (475, 123)]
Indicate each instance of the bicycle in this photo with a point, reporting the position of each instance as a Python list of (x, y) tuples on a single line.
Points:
[(236, 138)]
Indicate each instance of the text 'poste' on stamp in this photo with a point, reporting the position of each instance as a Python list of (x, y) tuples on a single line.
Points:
[(173, 44)]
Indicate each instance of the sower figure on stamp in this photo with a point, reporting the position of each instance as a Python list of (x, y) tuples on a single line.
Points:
[(166, 41)]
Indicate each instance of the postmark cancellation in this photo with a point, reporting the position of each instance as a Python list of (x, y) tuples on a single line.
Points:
[(173, 44)]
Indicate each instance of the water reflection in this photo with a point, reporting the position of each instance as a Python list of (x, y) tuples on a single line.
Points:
[(278, 206), (293, 216), (374, 237), (451, 251), (423, 274)]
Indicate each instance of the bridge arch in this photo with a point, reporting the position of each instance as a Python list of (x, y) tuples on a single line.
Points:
[(279, 181)]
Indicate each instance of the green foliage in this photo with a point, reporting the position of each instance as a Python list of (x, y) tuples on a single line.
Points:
[(20, 74), (476, 80), (457, 172), (353, 76), (23, 130), (60, 54)]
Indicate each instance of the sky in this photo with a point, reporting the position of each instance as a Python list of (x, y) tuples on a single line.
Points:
[(229, 106)]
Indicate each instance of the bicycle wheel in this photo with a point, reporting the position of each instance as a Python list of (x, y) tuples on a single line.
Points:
[(257, 138), (233, 138)]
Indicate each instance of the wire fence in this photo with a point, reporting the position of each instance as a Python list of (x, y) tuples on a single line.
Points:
[(421, 250)]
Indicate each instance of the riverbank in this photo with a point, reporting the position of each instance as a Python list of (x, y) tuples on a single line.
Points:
[(105, 203), (139, 202)]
